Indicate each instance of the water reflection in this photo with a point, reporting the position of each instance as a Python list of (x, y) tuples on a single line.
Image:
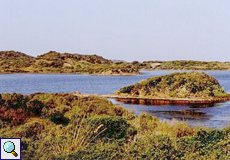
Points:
[(213, 116)]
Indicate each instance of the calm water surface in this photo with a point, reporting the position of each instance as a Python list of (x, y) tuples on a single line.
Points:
[(217, 116)]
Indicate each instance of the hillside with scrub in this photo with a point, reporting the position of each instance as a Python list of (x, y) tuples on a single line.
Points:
[(176, 85), (55, 62), (187, 65), (66, 126)]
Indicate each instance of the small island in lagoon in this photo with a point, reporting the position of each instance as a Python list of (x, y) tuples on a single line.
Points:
[(175, 88)]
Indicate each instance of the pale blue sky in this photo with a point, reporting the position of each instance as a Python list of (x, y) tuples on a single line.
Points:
[(119, 29)]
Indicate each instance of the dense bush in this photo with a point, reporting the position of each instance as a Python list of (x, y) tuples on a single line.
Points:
[(65, 126), (203, 143), (114, 127), (59, 118), (103, 150), (16, 108), (152, 147)]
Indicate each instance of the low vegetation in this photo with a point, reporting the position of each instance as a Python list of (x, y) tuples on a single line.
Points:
[(187, 65), (54, 62), (66, 126), (177, 85)]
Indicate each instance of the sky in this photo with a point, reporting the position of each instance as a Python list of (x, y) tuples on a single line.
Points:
[(119, 29)]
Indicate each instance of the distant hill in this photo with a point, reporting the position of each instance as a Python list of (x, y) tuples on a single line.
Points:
[(53, 55), (13, 54), (188, 65), (11, 61), (176, 85), (55, 62)]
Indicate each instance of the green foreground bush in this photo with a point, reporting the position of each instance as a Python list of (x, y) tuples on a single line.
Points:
[(115, 127), (65, 126)]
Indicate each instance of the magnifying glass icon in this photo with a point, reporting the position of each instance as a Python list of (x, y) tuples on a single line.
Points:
[(9, 147)]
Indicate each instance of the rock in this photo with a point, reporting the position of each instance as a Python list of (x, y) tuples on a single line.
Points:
[(77, 92)]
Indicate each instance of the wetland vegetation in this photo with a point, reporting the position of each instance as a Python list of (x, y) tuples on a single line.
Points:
[(70, 126), (66, 126)]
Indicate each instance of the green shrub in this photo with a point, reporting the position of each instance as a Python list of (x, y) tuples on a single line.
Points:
[(126, 89), (202, 143), (34, 107), (114, 127), (100, 150), (147, 122), (151, 147), (13, 101), (59, 118)]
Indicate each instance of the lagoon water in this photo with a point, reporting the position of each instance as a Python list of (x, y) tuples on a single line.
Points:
[(217, 116)]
